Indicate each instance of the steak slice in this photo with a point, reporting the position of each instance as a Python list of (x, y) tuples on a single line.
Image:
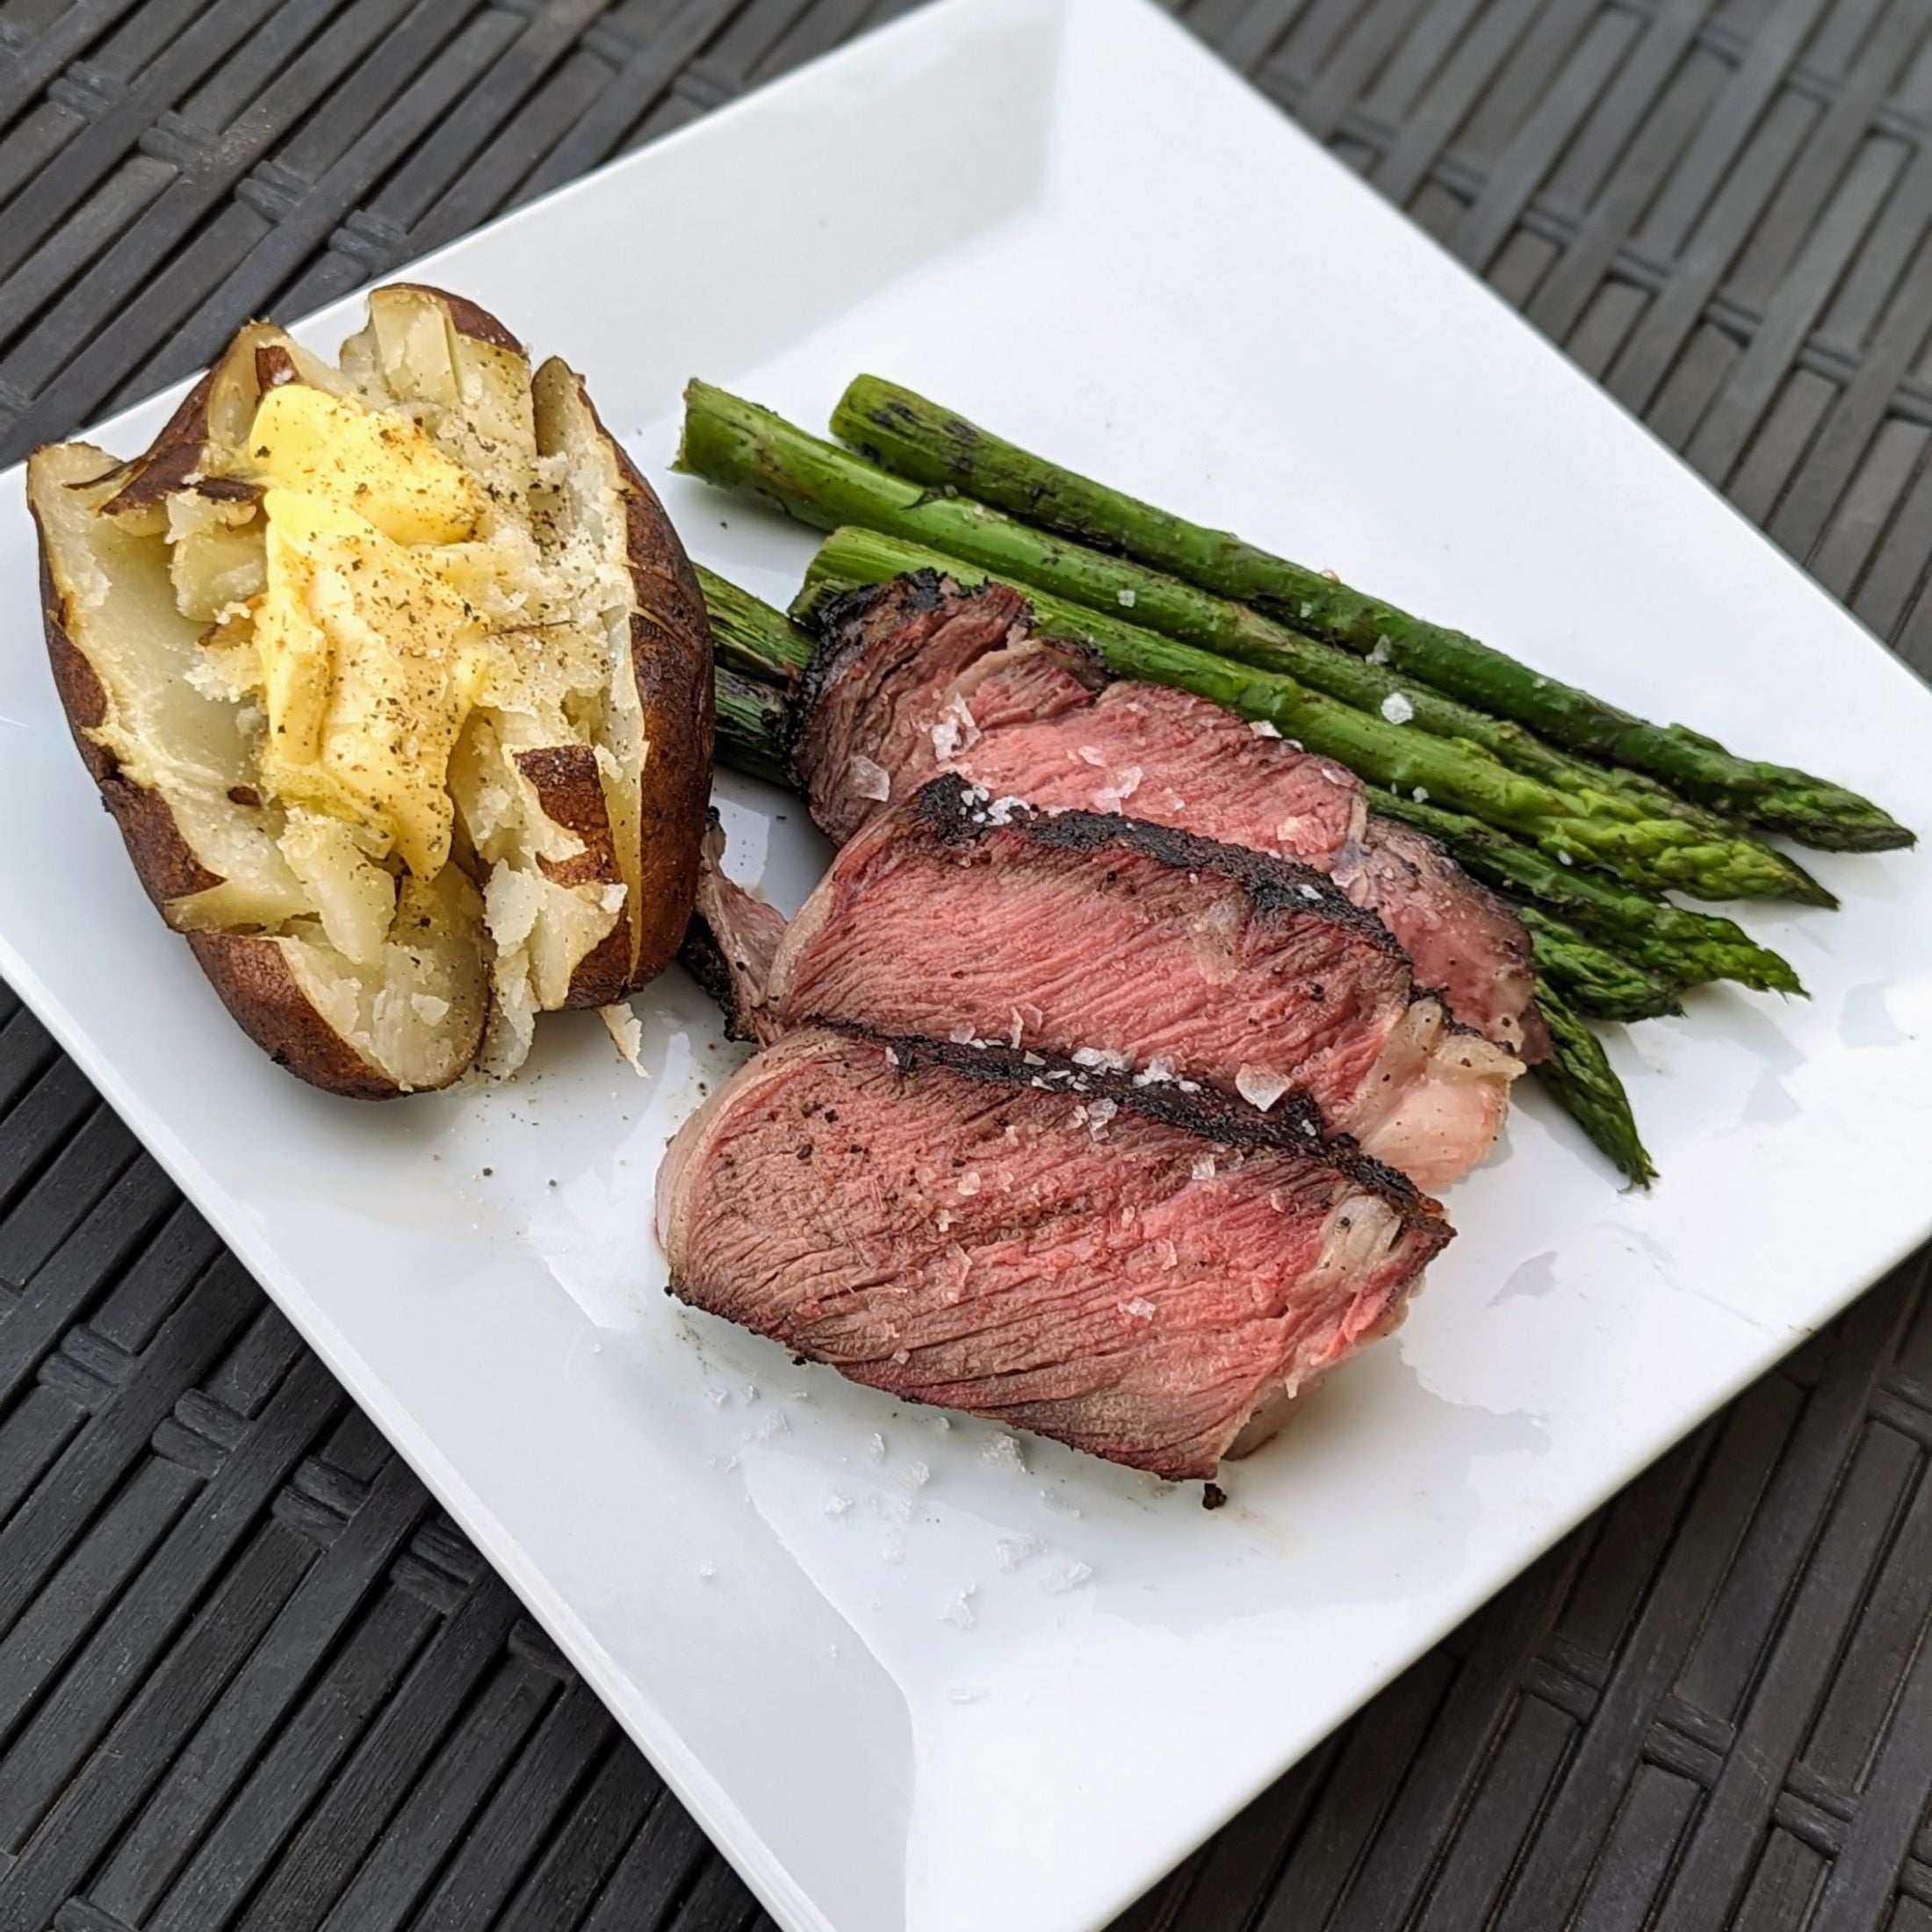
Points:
[(1134, 946), (867, 692), (1031, 718), (729, 944), (1148, 1277)]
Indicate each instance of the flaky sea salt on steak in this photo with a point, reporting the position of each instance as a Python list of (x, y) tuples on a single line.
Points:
[(1150, 1276)]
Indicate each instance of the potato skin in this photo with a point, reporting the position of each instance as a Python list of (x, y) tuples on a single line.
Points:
[(250, 975), (173, 457), (253, 978), (162, 859), (569, 786), (671, 660), (466, 317)]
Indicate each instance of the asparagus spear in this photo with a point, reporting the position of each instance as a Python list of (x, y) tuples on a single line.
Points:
[(1583, 1082), (751, 722), (751, 737), (747, 640), (1685, 948), (918, 439), (1642, 789), (1663, 853), (1593, 978), (749, 634)]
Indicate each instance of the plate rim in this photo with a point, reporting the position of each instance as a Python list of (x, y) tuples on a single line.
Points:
[(682, 1770)]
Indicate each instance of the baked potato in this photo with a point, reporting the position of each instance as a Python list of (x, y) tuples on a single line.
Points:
[(397, 681)]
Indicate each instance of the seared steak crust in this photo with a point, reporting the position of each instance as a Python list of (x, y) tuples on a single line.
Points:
[(957, 814), (1295, 1126)]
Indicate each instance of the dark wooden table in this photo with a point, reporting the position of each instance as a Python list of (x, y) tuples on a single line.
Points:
[(249, 1677)]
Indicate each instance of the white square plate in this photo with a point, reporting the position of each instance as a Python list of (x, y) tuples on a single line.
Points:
[(904, 1679)]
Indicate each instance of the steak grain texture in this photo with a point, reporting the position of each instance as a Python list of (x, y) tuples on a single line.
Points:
[(918, 677), (1128, 944), (1151, 1280)]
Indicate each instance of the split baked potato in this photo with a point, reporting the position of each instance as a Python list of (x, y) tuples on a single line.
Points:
[(397, 680)]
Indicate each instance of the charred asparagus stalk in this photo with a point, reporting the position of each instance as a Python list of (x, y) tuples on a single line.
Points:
[(1583, 1082), (751, 738), (1662, 853), (919, 440), (750, 635), (751, 720)]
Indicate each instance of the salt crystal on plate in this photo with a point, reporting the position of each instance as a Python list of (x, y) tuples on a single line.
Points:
[(960, 1611), (1068, 1576), (1397, 709), (869, 779), (1262, 728), (1003, 1453)]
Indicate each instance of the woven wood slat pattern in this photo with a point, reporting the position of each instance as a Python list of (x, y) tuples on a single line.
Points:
[(250, 1677)]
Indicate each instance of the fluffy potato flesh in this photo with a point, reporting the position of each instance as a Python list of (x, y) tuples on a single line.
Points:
[(367, 636)]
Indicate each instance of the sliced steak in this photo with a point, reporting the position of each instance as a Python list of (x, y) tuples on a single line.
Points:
[(917, 677), (1148, 1278), (729, 944), (867, 694), (1134, 946)]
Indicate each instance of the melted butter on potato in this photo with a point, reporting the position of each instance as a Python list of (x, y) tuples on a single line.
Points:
[(369, 666), (374, 462)]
